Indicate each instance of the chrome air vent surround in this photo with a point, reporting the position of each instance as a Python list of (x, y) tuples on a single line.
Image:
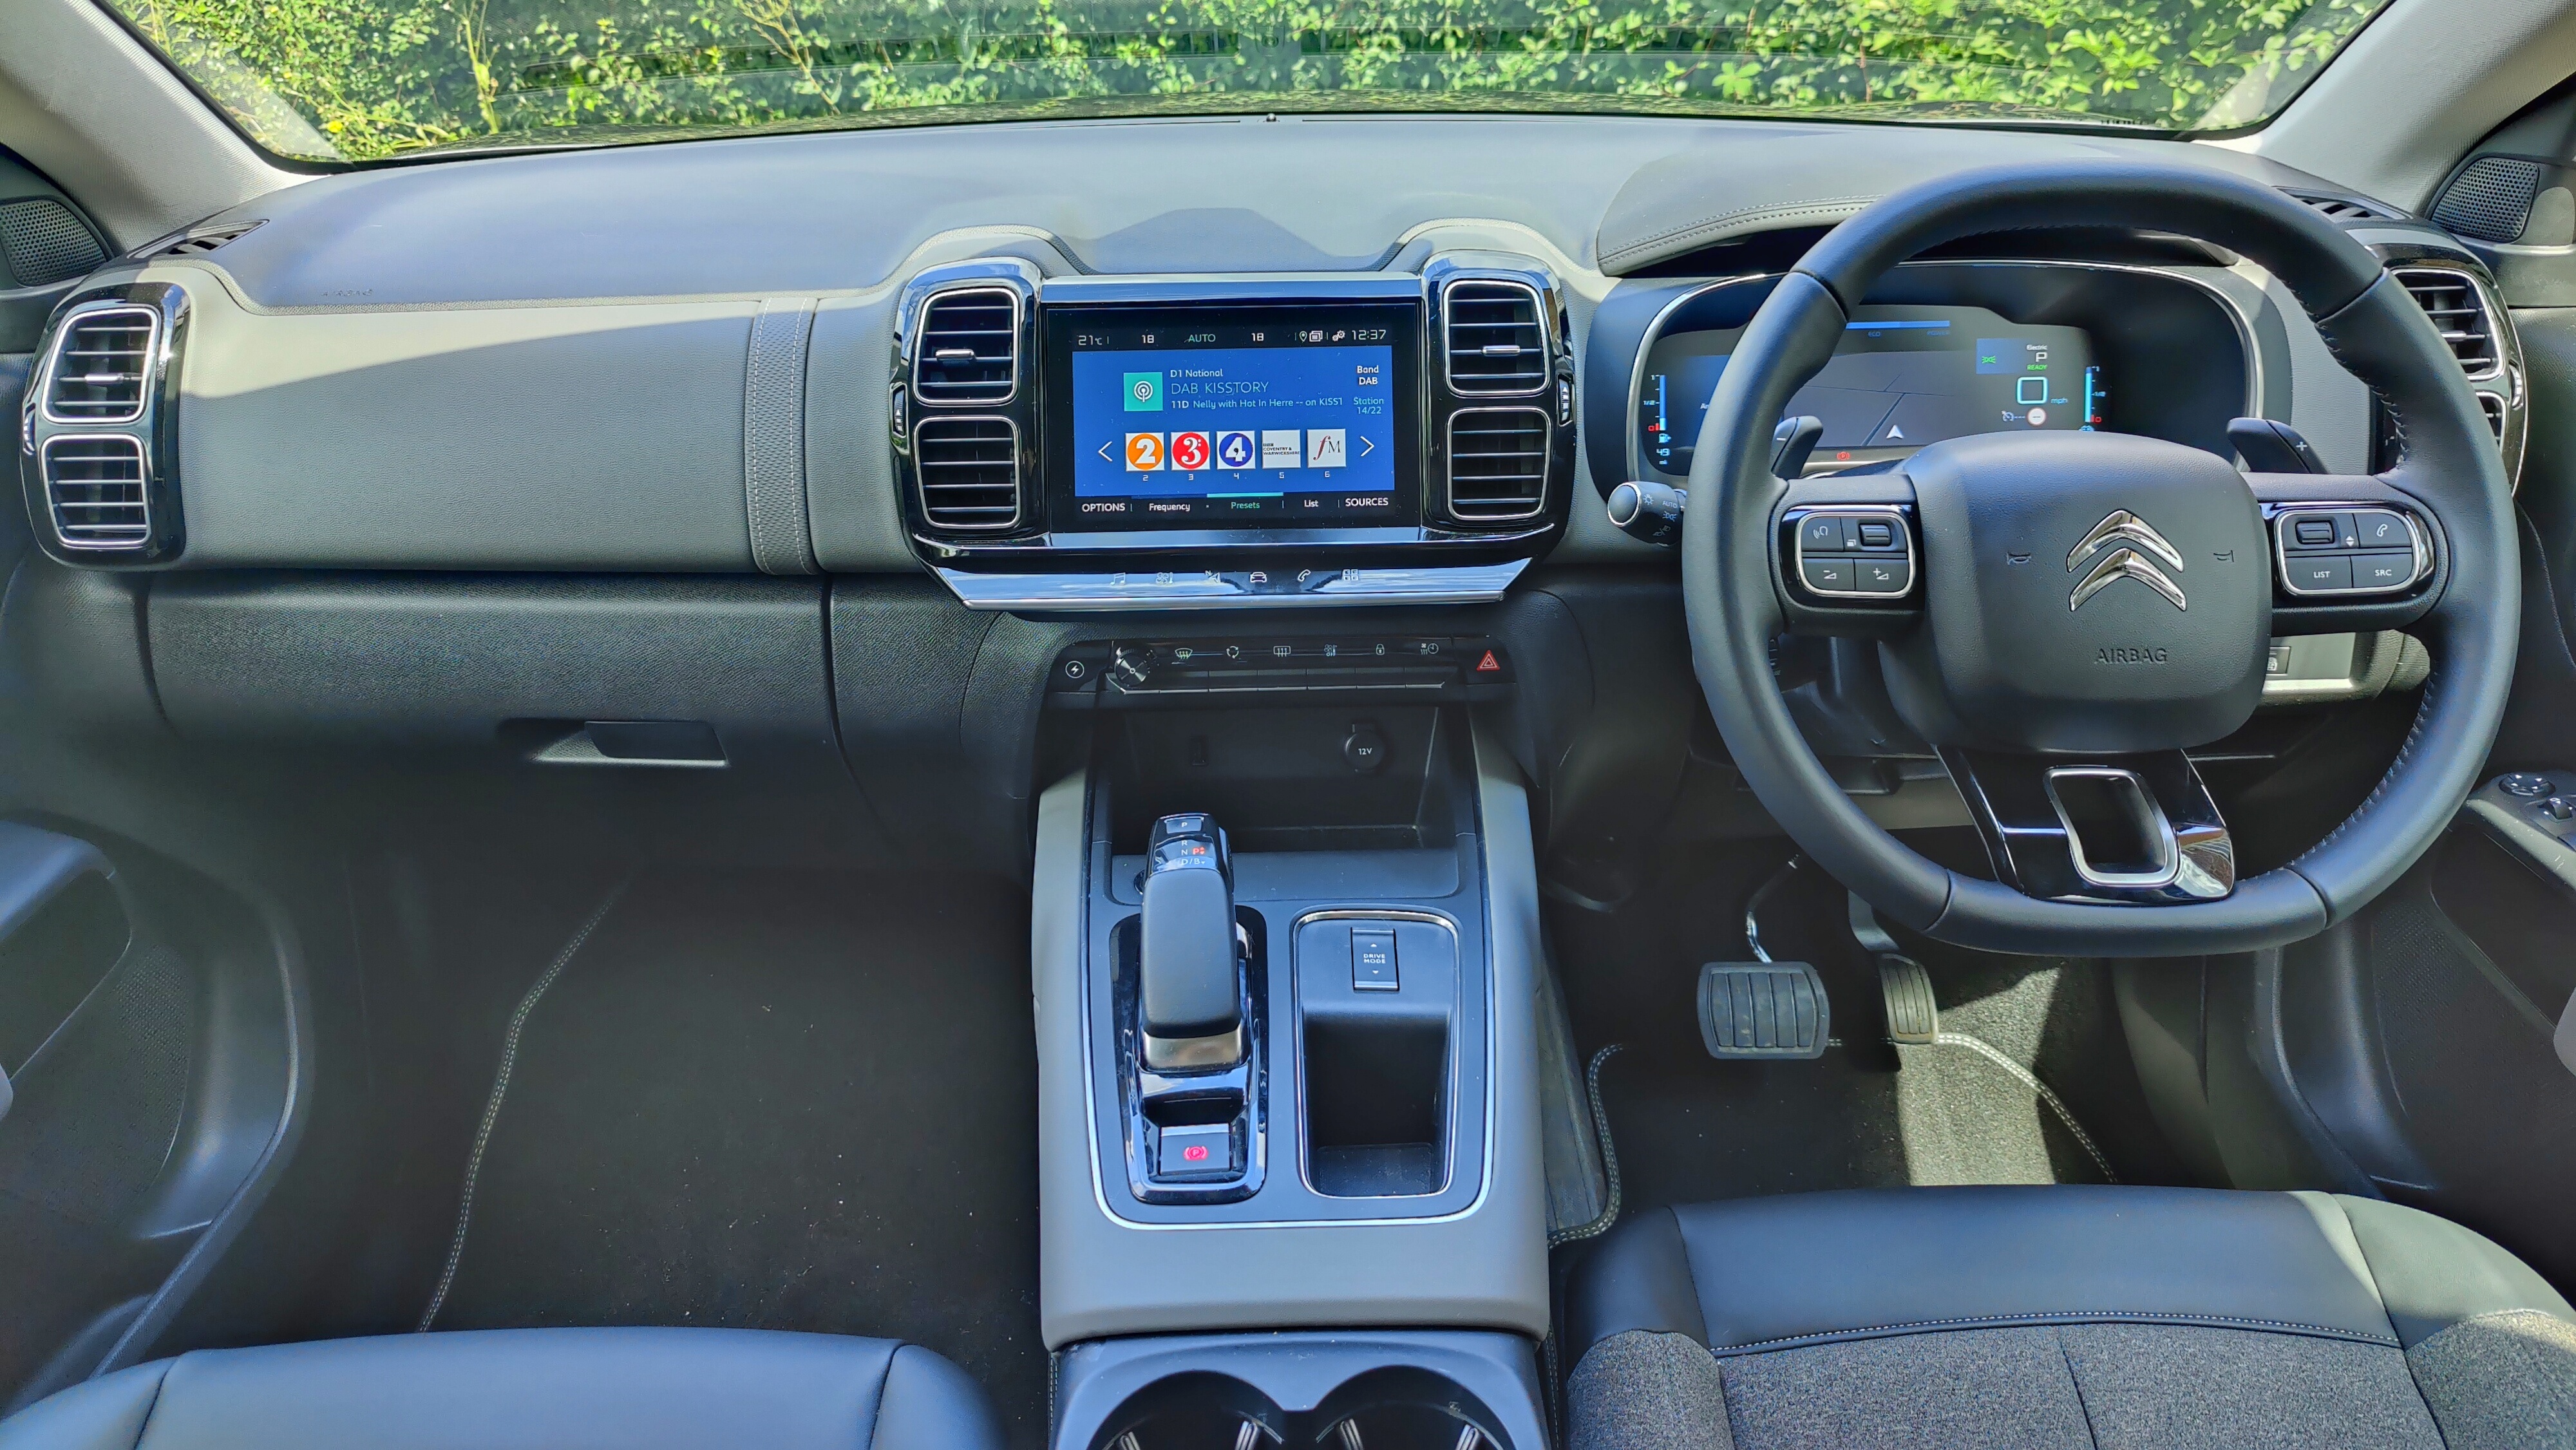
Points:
[(95, 490), (1495, 338), (101, 365), (970, 472), (98, 431), (967, 350), (1498, 461)]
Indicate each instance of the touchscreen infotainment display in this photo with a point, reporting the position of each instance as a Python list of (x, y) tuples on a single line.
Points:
[(1211, 418)]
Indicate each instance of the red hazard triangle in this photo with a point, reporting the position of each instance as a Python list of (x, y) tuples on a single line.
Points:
[(1488, 663)]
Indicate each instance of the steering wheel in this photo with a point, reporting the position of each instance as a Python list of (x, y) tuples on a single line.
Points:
[(2063, 614)]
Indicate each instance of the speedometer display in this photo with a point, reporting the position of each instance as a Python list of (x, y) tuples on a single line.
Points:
[(1904, 376)]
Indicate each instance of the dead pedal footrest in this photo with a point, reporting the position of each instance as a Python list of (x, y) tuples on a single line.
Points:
[(1763, 1010)]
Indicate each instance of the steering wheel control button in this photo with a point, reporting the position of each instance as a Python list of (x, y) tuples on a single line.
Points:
[(1827, 576), (1373, 959), (2320, 531), (1859, 553), (2313, 533), (2523, 785), (1195, 1153), (2381, 529), (1884, 576), (2321, 573), (2383, 571)]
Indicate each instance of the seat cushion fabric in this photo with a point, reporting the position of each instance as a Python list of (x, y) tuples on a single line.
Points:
[(542, 1389), (2022, 1318), (2501, 1381)]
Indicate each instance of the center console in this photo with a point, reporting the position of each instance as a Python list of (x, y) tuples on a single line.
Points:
[(1292, 1188), (1082, 443)]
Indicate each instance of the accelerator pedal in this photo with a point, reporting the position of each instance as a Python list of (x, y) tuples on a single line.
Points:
[(1913, 1017), (1774, 1010)]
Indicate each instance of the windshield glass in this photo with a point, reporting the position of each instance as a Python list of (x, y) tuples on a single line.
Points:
[(354, 80)]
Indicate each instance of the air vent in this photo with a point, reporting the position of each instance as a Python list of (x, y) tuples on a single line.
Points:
[(2459, 313), (970, 472), (95, 487), (2493, 406), (197, 244), (1497, 339), (2343, 208), (969, 347), (102, 362), (1497, 463), (44, 242)]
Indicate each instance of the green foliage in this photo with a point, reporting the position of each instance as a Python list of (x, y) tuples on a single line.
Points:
[(368, 78)]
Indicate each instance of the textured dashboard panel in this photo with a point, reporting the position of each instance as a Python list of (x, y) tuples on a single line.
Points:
[(574, 437)]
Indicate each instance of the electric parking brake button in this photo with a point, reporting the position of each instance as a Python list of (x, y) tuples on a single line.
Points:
[(1200, 1150), (1373, 960)]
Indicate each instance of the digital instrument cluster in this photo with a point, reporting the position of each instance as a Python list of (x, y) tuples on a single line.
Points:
[(1903, 377)]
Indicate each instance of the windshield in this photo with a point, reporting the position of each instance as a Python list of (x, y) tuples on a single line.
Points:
[(355, 80)]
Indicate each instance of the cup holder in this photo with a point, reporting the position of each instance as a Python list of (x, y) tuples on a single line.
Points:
[(1389, 1409)]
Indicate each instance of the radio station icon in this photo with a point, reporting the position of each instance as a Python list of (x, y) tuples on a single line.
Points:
[(1327, 448), (1282, 448), (1144, 452), (1235, 450), (1189, 451)]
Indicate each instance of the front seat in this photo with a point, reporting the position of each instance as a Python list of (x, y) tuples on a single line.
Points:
[(2004, 1318), (527, 1389)]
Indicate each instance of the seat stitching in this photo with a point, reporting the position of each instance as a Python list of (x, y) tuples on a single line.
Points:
[(2061, 1316), (2077, 1381)]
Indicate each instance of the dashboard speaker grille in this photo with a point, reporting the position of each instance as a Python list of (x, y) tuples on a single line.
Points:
[(2459, 313), (100, 364), (44, 242), (94, 486), (1497, 339), (2490, 199), (969, 347), (1497, 463), (970, 472)]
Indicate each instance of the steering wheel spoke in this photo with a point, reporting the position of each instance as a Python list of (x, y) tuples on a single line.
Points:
[(2136, 830)]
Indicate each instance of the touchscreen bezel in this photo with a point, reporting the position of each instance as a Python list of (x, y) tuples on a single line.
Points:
[(1059, 322)]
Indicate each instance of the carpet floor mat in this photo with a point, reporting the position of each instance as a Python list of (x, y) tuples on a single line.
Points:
[(2030, 1081), (783, 1102)]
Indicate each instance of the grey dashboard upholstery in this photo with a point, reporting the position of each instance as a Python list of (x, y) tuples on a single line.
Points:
[(2089, 1314), (635, 1389)]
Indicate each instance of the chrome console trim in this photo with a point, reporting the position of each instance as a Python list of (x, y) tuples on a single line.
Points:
[(1233, 588)]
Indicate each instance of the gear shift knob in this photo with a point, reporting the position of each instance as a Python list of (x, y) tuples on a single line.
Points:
[(1190, 972)]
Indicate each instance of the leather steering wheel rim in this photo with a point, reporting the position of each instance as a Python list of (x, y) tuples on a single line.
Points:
[(2446, 464)]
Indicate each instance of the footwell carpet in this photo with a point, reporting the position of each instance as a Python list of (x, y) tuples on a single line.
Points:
[(783, 1102)]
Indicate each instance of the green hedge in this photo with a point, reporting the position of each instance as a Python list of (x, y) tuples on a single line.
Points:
[(370, 78)]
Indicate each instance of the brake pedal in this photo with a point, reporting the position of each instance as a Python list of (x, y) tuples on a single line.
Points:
[(1913, 1017), (1774, 1010)]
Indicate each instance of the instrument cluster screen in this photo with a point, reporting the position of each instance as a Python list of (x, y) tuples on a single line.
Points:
[(1233, 417), (1904, 376)]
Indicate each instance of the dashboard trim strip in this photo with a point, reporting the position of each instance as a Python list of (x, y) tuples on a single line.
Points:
[(1232, 589)]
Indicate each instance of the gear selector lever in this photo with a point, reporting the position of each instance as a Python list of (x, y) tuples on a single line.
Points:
[(1190, 969)]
